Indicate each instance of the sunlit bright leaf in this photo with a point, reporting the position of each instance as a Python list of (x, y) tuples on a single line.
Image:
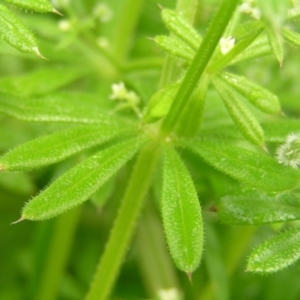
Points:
[(78, 184), (42, 6)]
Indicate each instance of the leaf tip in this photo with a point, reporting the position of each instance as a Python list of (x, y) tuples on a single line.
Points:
[(189, 275), (38, 53), (18, 221), (57, 12)]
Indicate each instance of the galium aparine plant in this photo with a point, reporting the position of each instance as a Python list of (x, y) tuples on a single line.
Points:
[(203, 113)]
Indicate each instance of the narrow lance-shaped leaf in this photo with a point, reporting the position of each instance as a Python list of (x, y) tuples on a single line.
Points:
[(256, 94), (257, 207), (42, 6), (59, 107), (39, 82), (78, 184), (275, 41), (13, 31), (180, 28), (291, 37), (181, 213), (242, 117), (58, 146), (252, 168), (277, 253), (174, 46)]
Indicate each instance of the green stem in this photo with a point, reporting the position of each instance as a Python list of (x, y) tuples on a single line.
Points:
[(122, 230), (154, 259), (199, 63), (126, 20), (57, 256)]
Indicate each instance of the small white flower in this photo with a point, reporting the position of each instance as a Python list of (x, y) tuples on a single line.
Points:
[(288, 153), (169, 294), (249, 7), (118, 91), (226, 44), (103, 12), (64, 25)]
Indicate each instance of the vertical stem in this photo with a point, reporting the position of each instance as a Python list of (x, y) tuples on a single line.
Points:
[(121, 233), (126, 19), (57, 256), (154, 259), (199, 63)]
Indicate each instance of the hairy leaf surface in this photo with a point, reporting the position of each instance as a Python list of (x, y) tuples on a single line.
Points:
[(252, 168), (181, 213), (180, 28), (256, 94), (59, 107), (42, 6), (277, 253), (257, 207), (57, 146), (78, 184), (14, 32), (241, 115)]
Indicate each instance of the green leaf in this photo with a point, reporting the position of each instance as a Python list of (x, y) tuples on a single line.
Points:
[(277, 130), (59, 107), (242, 117), (40, 81), (174, 46), (256, 94), (78, 184), (160, 103), (181, 213), (251, 168), (243, 44), (180, 28), (275, 40), (277, 253), (56, 147), (42, 6), (13, 31), (291, 37), (257, 207), (260, 47)]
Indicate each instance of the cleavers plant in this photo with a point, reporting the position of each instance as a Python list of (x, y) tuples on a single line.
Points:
[(160, 139)]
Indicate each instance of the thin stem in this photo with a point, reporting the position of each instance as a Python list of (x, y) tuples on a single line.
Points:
[(57, 256), (126, 20), (122, 230), (199, 63)]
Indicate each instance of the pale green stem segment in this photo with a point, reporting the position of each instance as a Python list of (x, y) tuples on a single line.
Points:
[(57, 255), (122, 230), (154, 260), (126, 20), (199, 63), (187, 9)]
